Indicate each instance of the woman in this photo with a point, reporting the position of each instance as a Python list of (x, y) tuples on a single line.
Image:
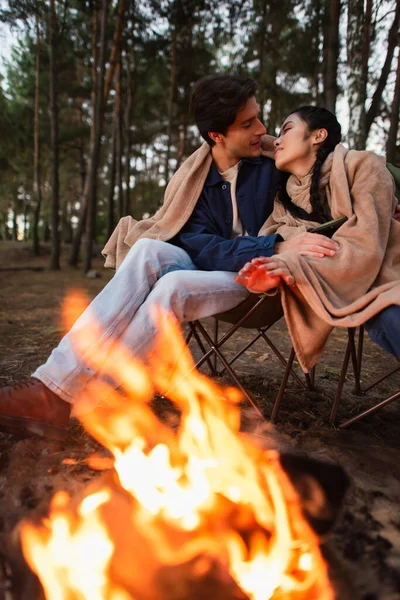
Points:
[(361, 282)]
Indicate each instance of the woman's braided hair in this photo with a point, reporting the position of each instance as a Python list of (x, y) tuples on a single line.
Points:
[(316, 117)]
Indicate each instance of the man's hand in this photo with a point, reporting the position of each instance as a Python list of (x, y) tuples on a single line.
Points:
[(309, 244), (397, 213), (263, 274)]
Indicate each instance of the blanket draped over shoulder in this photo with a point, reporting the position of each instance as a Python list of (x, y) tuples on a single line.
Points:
[(180, 199), (363, 277)]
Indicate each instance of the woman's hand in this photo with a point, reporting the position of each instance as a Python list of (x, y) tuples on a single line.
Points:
[(263, 274), (309, 244)]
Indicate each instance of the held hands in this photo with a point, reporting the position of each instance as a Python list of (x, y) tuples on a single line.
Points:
[(263, 274)]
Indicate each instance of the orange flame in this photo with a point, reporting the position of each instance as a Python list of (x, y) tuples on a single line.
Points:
[(203, 493)]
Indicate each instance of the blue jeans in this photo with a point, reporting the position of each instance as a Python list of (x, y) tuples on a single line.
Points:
[(384, 329), (153, 273)]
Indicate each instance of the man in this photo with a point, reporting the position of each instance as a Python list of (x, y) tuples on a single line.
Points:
[(214, 207)]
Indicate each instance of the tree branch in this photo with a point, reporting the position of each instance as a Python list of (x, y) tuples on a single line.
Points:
[(377, 97)]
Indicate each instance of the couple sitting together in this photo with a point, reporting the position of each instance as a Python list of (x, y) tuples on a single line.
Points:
[(235, 222)]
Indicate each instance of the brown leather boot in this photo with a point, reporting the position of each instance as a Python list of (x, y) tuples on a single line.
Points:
[(30, 407)]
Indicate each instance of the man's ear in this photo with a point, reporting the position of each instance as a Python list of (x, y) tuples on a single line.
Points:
[(319, 135), (215, 136)]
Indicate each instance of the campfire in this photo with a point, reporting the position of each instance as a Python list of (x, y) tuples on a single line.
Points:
[(191, 511)]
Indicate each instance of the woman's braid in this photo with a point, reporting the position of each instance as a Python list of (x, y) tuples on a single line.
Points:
[(320, 209)]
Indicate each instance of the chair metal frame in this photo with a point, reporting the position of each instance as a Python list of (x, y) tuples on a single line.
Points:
[(214, 353), (354, 352)]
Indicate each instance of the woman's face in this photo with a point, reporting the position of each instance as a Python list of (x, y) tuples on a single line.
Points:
[(296, 147)]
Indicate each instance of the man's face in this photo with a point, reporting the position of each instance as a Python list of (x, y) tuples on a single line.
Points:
[(243, 137)]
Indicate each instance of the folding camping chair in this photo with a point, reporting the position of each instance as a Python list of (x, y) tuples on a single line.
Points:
[(258, 313), (355, 352)]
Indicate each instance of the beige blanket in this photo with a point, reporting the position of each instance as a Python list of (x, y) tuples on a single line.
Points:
[(180, 198), (364, 276)]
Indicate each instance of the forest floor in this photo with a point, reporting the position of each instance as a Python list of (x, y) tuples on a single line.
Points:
[(367, 534)]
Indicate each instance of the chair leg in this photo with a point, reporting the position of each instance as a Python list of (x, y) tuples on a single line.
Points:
[(215, 343), (261, 333), (370, 411), (309, 381), (282, 386), (189, 336), (215, 350), (356, 357), (280, 357), (312, 378), (359, 357), (357, 371), (339, 388), (376, 381), (206, 355)]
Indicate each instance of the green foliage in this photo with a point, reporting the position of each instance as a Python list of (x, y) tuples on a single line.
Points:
[(281, 43)]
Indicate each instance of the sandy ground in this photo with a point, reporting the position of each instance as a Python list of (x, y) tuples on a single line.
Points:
[(366, 537)]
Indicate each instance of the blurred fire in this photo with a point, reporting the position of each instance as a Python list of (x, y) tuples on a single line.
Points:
[(196, 513)]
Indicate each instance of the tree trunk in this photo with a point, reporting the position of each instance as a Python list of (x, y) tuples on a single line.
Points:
[(274, 117), (110, 203), (77, 239), (66, 223), (356, 86), (392, 43), (394, 118), (332, 55), (261, 58), (118, 139), (55, 253), (26, 220), (46, 231), (115, 49), (6, 231), (182, 140), (14, 223), (82, 159), (130, 97), (36, 155), (96, 127), (76, 244), (367, 42), (172, 85), (317, 29), (80, 228)]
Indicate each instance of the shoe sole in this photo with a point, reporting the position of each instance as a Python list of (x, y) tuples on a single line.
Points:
[(26, 427)]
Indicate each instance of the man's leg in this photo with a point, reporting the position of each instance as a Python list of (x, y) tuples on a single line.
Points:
[(384, 329), (188, 295), (113, 310), (44, 409)]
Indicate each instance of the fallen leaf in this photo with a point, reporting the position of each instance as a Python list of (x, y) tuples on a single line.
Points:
[(263, 357)]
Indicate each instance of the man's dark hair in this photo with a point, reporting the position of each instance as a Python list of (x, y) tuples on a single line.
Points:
[(216, 101)]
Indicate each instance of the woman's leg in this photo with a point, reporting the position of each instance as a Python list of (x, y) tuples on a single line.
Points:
[(384, 329)]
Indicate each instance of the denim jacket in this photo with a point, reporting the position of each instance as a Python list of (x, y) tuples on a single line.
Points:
[(207, 236)]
